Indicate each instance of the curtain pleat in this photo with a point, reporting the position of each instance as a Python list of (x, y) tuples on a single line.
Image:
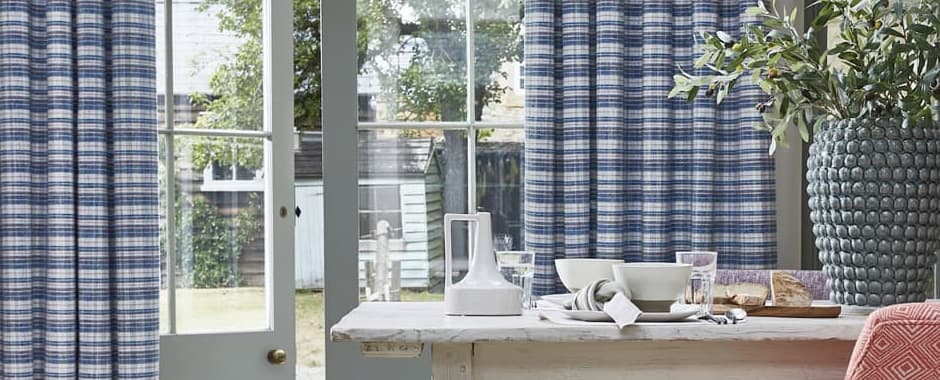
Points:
[(79, 254), (615, 169)]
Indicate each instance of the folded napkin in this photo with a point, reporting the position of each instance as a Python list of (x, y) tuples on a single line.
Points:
[(621, 310), (609, 297)]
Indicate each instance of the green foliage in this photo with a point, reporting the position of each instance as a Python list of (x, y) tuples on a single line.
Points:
[(307, 90), (237, 100), (212, 242), (886, 64), (432, 84), (249, 152)]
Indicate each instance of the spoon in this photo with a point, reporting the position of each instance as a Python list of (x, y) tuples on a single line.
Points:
[(736, 315), (718, 320)]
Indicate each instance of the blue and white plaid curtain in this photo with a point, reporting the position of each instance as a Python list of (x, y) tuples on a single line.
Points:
[(614, 169), (79, 255)]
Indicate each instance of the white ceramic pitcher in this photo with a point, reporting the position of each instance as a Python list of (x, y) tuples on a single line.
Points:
[(483, 291)]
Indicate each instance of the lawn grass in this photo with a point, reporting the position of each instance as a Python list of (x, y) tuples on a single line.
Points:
[(216, 310), (235, 309), (310, 332)]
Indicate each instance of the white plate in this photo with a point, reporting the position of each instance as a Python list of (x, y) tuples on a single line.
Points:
[(559, 299), (673, 316), (600, 316), (587, 316), (555, 301)]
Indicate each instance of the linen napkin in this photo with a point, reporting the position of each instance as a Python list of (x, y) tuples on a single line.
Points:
[(594, 295), (623, 312), (609, 297)]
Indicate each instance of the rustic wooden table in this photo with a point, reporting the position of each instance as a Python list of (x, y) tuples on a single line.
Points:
[(524, 347)]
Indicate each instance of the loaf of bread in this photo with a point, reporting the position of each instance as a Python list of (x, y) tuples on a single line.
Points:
[(720, 294), (787, 290), (743, 293), (748, 294)]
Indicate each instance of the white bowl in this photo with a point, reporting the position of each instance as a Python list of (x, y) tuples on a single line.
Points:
[(576, 273), (654, 286)]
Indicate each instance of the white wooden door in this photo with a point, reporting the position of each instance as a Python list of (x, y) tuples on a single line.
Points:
[(218, 323)]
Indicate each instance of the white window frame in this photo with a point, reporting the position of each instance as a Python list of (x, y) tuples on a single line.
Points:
[(235, 184)]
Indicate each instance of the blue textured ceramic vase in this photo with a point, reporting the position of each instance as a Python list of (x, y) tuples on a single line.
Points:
[(874, 188)]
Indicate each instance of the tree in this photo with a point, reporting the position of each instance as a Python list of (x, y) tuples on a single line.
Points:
[(237, 101), (431, 85)]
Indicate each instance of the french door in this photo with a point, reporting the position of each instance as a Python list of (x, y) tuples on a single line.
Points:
[(227, 197)]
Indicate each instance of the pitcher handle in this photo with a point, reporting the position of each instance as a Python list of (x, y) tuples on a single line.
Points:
[(448, 254)]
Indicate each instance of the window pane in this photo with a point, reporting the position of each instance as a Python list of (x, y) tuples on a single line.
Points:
[(412, 64), (219, 236), (379, 203), (218, 183), (216, 64), (498, 62), (499, 182), (427, 169)]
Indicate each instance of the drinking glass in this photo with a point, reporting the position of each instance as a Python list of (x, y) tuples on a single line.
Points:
[(502, 242), (518, 267), (704, 268)]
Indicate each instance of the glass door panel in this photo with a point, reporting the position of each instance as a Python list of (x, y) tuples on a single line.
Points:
[(217, 64), (219, 234)]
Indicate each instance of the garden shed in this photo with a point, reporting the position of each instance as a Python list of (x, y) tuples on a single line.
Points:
[(400, 182)]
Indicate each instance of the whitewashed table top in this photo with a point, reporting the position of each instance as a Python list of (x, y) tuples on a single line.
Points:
[(425, 322)]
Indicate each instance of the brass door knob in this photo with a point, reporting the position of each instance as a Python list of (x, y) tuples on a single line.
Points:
[(277, 356)]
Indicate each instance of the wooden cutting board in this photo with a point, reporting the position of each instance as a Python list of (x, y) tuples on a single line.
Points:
[(784, 311)]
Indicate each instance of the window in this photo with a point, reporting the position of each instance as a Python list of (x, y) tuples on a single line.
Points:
[(441, 112), (379, 204), (230, 175)]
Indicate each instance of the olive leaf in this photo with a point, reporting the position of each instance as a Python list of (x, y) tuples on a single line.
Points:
[(886, 64)]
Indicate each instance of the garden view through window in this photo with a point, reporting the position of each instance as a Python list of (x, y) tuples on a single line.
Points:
[(422, 153)]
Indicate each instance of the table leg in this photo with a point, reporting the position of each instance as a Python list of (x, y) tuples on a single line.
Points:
[(452, 361)]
